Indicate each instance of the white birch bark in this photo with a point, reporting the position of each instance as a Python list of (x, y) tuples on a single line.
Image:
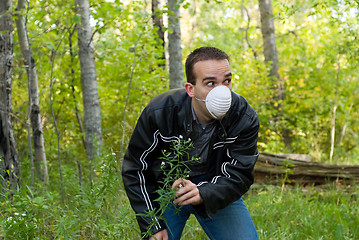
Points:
[(157, 19), (332, 133), (8, 160), (271, 61), (92, 118), (174, 45), (35, 116), (333, 120), (269, 42)]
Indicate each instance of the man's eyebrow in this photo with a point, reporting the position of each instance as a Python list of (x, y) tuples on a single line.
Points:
[(214, 78), (208, 78), (228, 75)]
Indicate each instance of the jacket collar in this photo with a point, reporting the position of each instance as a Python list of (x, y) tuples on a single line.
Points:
[(189, 117), (221, 132)]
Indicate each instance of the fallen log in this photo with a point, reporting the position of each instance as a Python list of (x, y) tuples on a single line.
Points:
[(273, 168)]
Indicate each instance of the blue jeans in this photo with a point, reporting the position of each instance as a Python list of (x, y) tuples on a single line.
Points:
[(231, 222)]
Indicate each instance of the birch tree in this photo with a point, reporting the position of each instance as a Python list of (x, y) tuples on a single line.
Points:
[(92, 118), (9, 170), (174, 45), (269, 43), (157, 19), (271, 60), (35, 116)]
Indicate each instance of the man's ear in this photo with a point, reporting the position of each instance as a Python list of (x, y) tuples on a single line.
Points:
[(189, 89)]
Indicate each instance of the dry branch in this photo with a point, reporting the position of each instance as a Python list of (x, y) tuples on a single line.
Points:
[(272, 167)]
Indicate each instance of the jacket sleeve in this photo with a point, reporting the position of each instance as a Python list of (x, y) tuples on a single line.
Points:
[(236, 168), (138, 179)]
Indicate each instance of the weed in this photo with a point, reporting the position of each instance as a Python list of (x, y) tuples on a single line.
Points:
[(175, 165), (103, 212)]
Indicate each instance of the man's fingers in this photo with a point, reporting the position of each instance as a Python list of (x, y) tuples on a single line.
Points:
[(188, 194), (161, 235), (183, 186), (179, 183), (185, 198), (188, 199)]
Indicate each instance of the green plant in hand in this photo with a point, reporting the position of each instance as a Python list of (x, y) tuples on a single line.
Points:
[(175, 165)]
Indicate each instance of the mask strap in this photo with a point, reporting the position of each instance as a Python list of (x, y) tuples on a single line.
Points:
[(200, 99)]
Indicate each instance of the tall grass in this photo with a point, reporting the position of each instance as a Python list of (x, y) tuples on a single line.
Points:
[(103, 212), (326, 212)]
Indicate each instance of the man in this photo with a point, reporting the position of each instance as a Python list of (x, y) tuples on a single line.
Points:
[(224, 130)]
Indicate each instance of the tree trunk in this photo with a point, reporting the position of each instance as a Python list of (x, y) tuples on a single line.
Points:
[(35, 116), (157, 18), (300, 169), (174, 45), (271, 60), (269, 42), (9, 169), (332, 131), (92, 118)]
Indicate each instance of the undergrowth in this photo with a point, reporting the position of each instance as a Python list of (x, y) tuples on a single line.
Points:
[(175, 165), (326, 212), (103, 212)]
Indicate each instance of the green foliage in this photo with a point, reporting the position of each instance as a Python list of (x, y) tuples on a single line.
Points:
[(327, 212), (102, 212), (175, 165), (318, 63), (316, 43), (318, 53)]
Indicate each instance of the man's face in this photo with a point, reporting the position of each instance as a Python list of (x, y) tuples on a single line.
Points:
[(209, 74)]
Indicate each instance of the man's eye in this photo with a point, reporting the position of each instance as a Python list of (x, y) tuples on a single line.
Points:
[(228, 81), (210, 84)]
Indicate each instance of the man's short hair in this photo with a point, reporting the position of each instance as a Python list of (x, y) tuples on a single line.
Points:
[(202, 54)]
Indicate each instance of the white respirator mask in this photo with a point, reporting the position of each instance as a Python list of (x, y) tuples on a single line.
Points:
[(218, 101)]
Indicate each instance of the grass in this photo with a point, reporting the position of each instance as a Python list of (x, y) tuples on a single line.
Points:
[(327, 212), (295, 213)]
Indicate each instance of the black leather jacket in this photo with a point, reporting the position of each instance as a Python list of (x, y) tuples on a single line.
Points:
[(233, 153)]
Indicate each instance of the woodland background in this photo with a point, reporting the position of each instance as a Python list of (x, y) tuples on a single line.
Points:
[(306, 100)]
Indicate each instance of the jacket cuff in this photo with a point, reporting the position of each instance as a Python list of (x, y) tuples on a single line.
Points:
[(200, 209)]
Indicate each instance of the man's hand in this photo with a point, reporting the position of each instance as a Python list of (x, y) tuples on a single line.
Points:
[(187, 193), (161, 235)]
